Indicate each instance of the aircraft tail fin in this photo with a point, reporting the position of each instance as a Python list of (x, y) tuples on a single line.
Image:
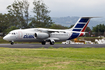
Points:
[(79, 28), (81, 24)]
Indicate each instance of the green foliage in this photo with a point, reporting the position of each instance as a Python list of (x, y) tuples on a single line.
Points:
[(11, 28), (19, 12), (56, 26), (3, 41), (52, 59), (71, 26), (4, 23), (41, 17), (88, 29), (50, 47), (99, 28), (18, 16)]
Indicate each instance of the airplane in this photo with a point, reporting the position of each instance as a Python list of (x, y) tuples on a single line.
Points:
[(44, 35)]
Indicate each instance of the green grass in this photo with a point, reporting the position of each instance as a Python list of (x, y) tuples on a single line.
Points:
[(52, 59), (3, 41)]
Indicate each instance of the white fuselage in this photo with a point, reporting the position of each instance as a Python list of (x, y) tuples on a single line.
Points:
[(44, 35), (28, 35)]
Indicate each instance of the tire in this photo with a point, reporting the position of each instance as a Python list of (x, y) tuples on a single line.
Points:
[(44, 42), (12, 43), (52, 43)]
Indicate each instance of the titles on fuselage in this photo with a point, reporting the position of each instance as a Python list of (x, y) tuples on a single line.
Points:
[(28, 36)]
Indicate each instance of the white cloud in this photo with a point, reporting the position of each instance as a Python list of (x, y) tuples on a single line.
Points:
[(4, 4), (66, 7), (77, 7)]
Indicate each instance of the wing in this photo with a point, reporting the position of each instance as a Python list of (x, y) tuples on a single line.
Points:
[(50, 30), (58, 31), (52, 39)]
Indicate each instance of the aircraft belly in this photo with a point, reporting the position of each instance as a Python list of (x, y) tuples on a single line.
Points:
[(27, 40), (61, 38)]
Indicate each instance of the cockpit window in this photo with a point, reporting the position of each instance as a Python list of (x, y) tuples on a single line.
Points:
[(12, 33)]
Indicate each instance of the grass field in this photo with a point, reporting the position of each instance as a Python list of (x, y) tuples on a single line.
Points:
[(52, 59)]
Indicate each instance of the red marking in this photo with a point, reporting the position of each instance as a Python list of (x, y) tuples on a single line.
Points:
[(85, 27), (81, 34), (20, 34)]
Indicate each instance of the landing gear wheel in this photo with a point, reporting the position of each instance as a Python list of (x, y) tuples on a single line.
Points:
[(12, 43), (52, 43), (43, 42)]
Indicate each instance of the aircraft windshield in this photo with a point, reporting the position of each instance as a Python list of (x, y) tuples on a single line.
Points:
[(12, 33)]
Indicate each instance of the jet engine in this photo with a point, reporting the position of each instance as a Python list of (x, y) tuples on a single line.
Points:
[(41, 35)]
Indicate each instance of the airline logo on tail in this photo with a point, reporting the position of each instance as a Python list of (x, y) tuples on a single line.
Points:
[(79, 28)]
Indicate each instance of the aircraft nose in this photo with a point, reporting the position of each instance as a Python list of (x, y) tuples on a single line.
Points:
[(6, 38)]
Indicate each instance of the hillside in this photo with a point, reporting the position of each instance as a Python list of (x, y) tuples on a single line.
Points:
[(68, 21)]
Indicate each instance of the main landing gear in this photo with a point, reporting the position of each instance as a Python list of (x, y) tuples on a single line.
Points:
[(51, 42), (43, 42)]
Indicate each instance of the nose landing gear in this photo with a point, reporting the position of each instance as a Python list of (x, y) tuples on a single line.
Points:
[(12, 42)]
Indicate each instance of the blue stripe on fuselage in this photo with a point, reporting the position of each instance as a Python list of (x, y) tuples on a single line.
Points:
[(84, 19), (79, 26), (77, 30), (74, 35)]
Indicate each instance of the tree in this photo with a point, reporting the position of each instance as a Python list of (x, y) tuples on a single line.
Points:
[(99, 29), (10, 29), (89, 31), (4, 22), (71, 26), (19, 11), (41, 17), (56, 26), (26, 8)]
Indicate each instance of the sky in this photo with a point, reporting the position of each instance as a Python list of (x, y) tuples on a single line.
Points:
[(64, 8)]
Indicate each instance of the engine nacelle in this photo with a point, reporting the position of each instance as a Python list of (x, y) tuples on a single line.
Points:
[(41, 35)]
